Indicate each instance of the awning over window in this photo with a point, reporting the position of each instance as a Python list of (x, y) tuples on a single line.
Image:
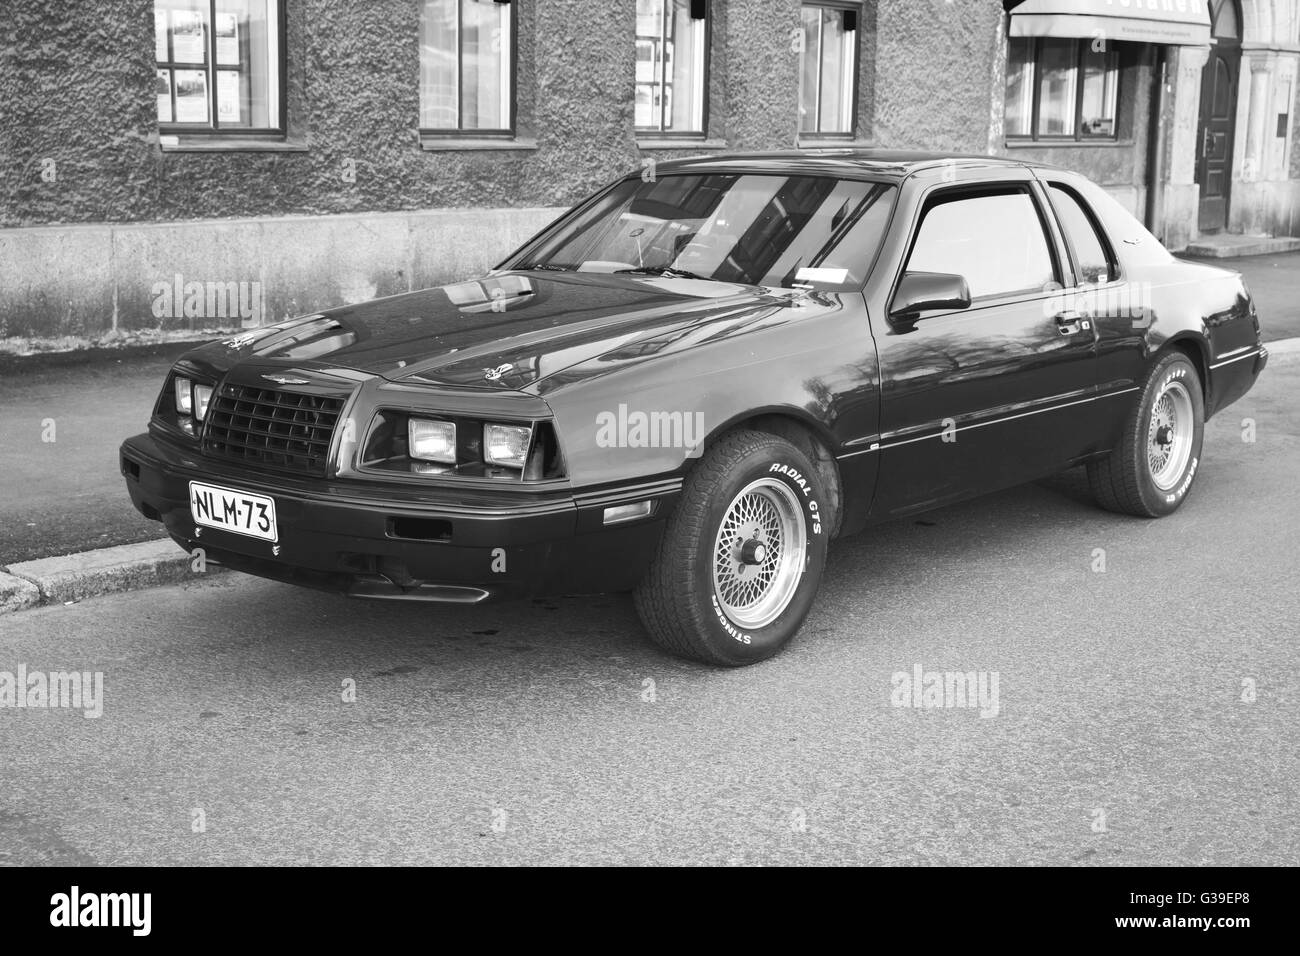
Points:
[(1179, 22)]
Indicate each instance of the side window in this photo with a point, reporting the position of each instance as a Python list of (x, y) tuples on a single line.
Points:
[(218, 66), (828, 69), (994, 240), (466, 67), (670, 60), (1096, 263)]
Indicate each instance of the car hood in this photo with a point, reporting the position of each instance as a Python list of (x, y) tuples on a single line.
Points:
[(507, 330)]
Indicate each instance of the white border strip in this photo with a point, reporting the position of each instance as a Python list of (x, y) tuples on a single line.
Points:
[(992, 421)]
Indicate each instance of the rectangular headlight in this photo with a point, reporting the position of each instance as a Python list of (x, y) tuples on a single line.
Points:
[(184, 396), (432, 440), (202, 398), (506, 445)]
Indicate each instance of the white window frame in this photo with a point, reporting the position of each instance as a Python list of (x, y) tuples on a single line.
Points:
[(849, 82), (1033, 94), (509, 74), (662, 83)]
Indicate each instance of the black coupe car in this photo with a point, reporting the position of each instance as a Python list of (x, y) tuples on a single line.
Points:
[(693, 380)]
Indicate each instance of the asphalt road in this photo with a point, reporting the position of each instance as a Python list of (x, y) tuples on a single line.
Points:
[(525, 732), (66, 496)]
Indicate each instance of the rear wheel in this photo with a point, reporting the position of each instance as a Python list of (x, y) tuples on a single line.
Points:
[(1151, 471), (741, 558)]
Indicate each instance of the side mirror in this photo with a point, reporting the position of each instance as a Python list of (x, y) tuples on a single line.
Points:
[(921, 291)]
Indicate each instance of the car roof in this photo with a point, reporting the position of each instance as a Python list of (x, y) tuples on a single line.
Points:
[(890, 164)]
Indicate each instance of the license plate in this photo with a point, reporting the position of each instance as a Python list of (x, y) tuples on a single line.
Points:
[(237, 511)]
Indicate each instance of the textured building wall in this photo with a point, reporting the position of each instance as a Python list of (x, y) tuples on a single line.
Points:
[(79, 145), (75, 116), (1295, 134), (76, 97), (933, 82), (761, 67), (77, 91), (1292, 205)]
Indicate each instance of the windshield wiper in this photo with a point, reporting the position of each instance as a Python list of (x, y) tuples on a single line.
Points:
[(542, 267), (668, 272)]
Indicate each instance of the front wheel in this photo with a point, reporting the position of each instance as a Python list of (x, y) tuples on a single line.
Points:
[(741, 557), (1151, 470)]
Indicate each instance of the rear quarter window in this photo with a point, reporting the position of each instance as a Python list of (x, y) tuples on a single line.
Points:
[(1132, 242), (1092, 252)]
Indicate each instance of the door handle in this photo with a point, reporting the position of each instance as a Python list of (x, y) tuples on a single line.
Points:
[(1207, 143), (1072, 322)]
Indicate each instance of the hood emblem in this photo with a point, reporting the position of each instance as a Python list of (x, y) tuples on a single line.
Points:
[(494, 374), (242, 341), (286, 380)]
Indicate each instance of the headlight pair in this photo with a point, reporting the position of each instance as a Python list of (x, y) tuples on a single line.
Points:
[(192, 399), (503, 445)]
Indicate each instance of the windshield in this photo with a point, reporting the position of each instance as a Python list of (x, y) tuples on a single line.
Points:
[(768, 230)]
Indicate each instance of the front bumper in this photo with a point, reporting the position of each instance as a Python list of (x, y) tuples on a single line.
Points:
[(366, 539)]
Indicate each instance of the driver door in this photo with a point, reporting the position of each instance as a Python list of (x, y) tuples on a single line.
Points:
[(995, 394)]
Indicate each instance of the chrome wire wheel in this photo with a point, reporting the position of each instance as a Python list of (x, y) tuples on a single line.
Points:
[(1170, 435), (759, 553)]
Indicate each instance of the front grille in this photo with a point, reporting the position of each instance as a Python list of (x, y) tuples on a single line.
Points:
[(267, 428)]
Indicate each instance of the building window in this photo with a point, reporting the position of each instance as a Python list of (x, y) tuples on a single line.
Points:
[(1061, 89), (828, 69), (671, 44), (467, 67), (219, 65)]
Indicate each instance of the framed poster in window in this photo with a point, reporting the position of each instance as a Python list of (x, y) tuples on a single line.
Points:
[(191, 96), (163, 88), (226, 29), (228, 99), (188, 44)]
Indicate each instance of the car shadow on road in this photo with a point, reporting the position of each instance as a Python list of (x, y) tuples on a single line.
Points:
[(902, 559)]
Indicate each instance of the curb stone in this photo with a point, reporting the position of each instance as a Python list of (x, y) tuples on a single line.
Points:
[(17, 593), (74, 577)]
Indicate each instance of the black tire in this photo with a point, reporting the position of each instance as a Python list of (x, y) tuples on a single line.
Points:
[(679, 599), (1126, 481)]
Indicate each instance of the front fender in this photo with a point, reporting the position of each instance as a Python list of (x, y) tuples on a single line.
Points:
[(651, 409)]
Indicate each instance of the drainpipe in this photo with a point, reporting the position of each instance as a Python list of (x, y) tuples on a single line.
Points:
[(1156, 145)]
